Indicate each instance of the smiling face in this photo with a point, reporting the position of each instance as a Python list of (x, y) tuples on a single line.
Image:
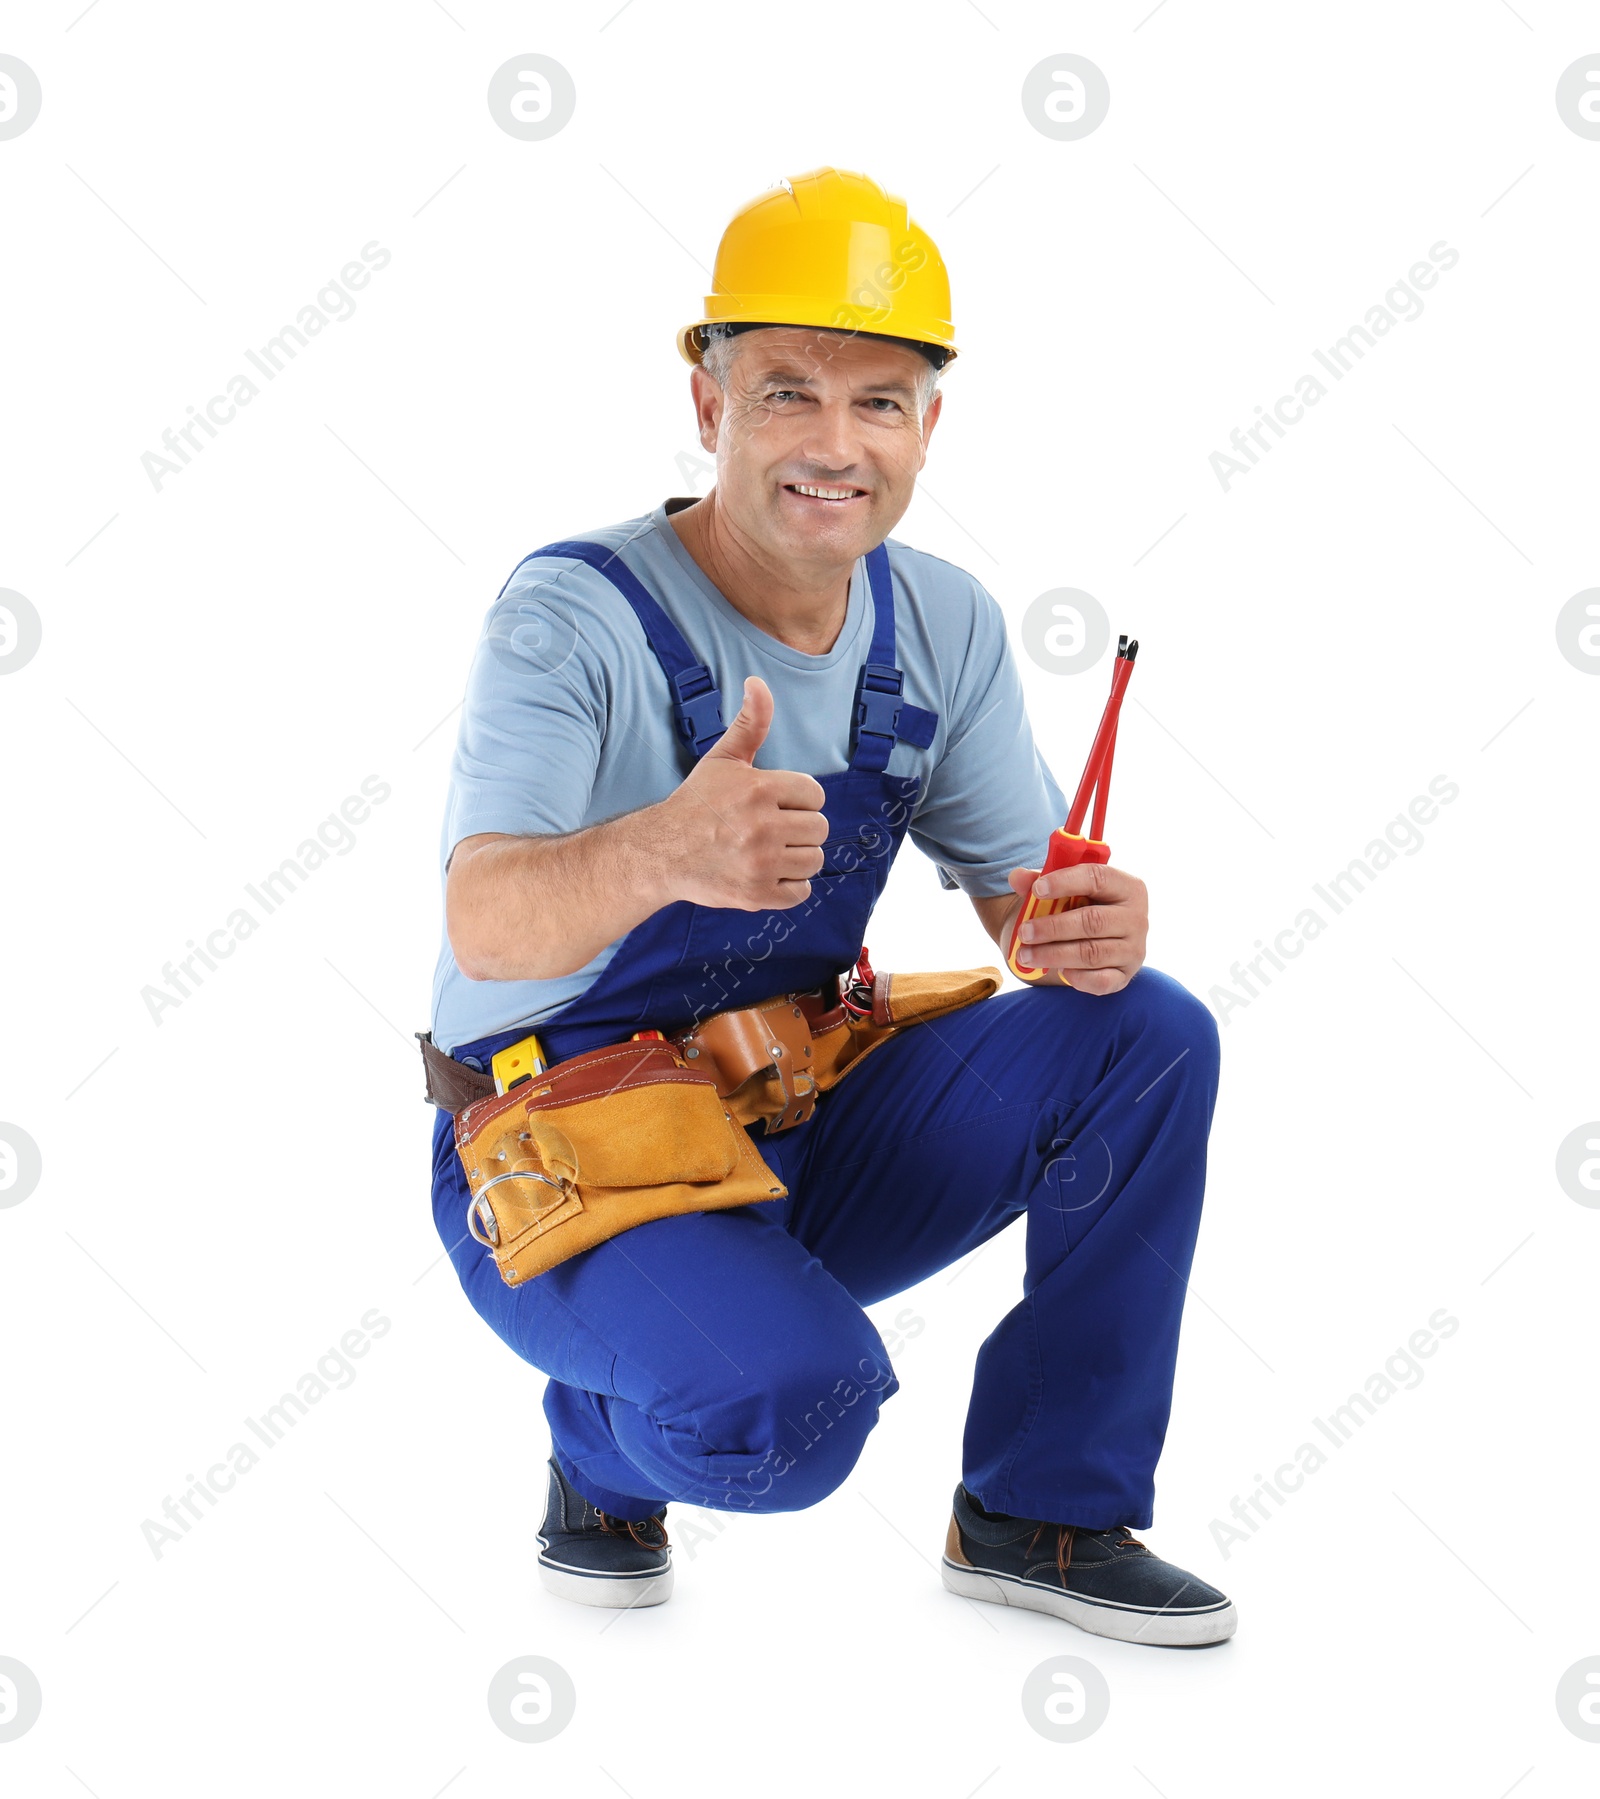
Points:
[(819, 438)]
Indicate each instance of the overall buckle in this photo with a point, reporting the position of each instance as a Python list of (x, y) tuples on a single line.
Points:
[(878, 700)]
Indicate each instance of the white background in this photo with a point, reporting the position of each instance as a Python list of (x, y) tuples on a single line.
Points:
[(1372, 607)]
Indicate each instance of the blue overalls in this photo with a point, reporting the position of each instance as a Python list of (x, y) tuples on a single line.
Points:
[(723, 1358)]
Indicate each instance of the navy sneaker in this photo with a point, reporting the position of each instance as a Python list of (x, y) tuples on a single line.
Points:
[(590, 1557), (1101, 1580)]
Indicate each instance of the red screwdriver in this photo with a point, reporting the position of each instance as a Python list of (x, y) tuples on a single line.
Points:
[(1067, 849)]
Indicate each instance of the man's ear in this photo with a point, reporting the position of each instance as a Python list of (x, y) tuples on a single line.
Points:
[(929, 419), (708, 398)]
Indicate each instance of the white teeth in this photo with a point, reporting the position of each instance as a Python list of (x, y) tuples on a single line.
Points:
[(825, 493)]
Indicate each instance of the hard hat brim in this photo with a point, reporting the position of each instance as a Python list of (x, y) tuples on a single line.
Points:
[(691, 346)]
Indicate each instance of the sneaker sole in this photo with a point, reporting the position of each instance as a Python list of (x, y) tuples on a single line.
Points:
[(618, 1593), (1169, 1629)]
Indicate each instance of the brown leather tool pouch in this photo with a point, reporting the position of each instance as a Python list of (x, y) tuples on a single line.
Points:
[(772, 1060), (597, 1144), (763, 1058)]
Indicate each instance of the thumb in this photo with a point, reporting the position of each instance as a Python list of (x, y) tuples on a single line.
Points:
[(748, 731)]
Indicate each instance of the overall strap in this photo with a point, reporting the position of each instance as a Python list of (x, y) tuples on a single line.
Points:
[(881, 717), (696, 701)]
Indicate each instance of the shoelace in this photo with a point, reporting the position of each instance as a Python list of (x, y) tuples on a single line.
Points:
[(648, 1533), (1066, 1535)]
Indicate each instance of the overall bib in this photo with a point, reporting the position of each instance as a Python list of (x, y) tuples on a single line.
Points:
[(723, 1358), (687, 961)]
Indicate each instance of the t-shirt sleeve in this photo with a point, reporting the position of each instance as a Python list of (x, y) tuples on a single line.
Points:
[(991, 801), (535, 711)]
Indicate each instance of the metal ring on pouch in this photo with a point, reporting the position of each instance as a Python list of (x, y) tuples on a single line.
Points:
[(481, 1200), (472, 1226)]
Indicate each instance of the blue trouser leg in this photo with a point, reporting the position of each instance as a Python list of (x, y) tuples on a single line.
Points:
[(1088, 1114), (708, 1358), (723, 1358)]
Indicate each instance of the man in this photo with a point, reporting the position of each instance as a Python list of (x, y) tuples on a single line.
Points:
[(616, 860)]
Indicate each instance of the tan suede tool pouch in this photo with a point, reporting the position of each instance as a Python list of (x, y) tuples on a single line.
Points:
[(598, 1144), (898, 1000)]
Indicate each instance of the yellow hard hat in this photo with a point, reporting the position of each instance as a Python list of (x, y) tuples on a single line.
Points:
[(831, 249)]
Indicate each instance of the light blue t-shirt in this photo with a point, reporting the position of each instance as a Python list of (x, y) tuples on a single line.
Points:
[(568, 722)]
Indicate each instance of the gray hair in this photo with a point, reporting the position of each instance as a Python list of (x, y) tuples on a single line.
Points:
[(717, 360)]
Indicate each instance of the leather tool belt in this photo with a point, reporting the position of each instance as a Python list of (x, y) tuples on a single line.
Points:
[(632, 1131)]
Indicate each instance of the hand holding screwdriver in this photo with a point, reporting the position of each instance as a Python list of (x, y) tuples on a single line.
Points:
[(1107, 933)]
